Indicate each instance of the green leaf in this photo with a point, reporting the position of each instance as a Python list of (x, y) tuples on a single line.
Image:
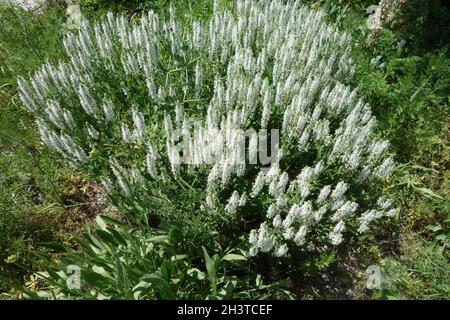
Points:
[(100, 270), (233, 257), (139, 288), (100, 222), (429, 192), (434, 228), (84, 244), (178, 257), (118, 236), (196, 274), (106, 236), (160, 284), (211, 270), (122, 277), (162, 238), (109, 220), (166, 270), (441, 237), (229, 287), (154, 279), (95, 279), (11, 259), (259, 281)]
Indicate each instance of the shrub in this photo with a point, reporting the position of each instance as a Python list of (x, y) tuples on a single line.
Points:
[(156, 111)]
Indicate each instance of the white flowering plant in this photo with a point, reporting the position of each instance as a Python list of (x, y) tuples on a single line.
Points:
[(151, 108)]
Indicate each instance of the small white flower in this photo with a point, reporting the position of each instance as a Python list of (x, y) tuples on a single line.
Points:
[(299, 238), (392, 213), (324, 193), (127, 136), (258, 184), (233, 202), (277, 221), (139, 124), (92, 132), (253, 238), (253, 251), (281, 251), (339, 190), (336, 238)]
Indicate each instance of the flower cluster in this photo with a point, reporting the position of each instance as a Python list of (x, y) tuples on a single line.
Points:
[(138, 87)]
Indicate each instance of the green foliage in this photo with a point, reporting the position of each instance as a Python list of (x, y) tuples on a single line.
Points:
[(28, 39), (29, 200), (411, 94), (420, 272), (26, 197), (119, 262)]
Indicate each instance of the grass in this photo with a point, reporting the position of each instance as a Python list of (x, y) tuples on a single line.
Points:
[(34, 188), (421, 272), (42, 200)]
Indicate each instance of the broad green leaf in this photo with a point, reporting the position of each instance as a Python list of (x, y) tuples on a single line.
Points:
[(162, 238), (109, 220), (228, 288), (441, 237), (211, 270), (154, 279), (100, 270), (233, 257), (434, 228), (122, 277), (178, 257), (11, 259), (166, 270), (196, 273), (139, 288), (100, 222), (95, 279), (106, 236)]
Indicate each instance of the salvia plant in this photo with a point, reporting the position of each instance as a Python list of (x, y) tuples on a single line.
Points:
[(155, 110)]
